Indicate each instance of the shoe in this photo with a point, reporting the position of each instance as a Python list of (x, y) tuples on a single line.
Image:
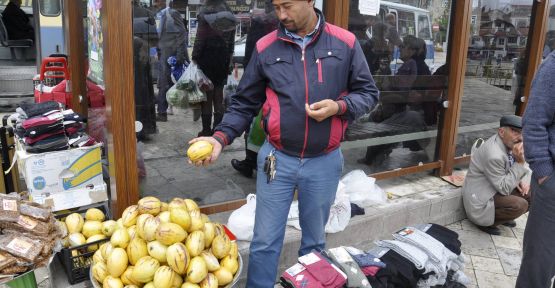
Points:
[(205, 133), (511, 224), (162, 117), (170, 110), (492, 230), (196, 114), (243, 168)]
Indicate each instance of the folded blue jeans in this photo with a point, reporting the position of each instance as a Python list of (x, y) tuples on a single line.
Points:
[(316, 179)]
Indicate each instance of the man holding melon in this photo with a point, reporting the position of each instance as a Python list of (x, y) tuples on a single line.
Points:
[(311, 79)]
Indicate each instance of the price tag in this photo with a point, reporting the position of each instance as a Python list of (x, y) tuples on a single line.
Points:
[(308, 259), (9, 205), (20, 246), (295, 269), (27, 222)]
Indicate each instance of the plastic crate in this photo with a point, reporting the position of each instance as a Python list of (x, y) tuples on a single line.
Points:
[(77, 260)]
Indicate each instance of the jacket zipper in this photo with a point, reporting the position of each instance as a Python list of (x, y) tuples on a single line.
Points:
[(319, 63), (305, 85)]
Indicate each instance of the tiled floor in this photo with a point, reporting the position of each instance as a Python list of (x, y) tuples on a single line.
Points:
[(492, 261)]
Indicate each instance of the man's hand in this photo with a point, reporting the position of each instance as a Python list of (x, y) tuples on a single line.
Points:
[(523, 188), (541, 180), (216, 150), (320, 111), (518, 153)]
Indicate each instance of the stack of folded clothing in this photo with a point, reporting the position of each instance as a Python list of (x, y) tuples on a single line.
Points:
[(44, 127), (314, 271), (425, 255)]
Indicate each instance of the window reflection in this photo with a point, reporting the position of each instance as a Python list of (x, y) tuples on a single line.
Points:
[(407, 60), (496, 67)]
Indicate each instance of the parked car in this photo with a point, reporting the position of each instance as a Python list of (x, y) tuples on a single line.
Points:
[(239, 51)]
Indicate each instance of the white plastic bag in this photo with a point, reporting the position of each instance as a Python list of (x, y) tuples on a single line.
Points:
[(241, 221), (362, 190), (340, 213)]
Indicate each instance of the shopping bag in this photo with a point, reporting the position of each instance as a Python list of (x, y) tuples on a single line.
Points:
[(362, 190), (340, 212), (194, 83), (241, 221), (176, 97), (230, 87)]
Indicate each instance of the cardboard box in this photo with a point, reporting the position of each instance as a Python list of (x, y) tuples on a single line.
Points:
[(64, 179)]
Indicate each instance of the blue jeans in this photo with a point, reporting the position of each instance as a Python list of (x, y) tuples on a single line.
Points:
[(316, 179)]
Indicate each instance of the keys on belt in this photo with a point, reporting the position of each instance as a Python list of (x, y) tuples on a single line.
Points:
[(270, 166)]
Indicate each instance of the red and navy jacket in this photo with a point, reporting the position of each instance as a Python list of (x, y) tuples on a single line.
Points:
[(282, 76)]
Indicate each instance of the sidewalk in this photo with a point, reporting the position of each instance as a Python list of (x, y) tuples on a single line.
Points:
[(492, 261)]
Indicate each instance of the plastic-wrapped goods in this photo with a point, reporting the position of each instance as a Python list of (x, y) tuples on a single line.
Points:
[(6, 260), (21, 246), (35, 210), (9, 208), (29, 224)]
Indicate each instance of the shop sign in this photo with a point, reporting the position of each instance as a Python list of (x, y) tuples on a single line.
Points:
[(239, 6)]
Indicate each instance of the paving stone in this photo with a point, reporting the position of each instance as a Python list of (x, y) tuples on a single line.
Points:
[(510, 260), (505, 242), (469, 272), (477, 243), (506, 231), (494, 280), (521, 221), (455, 226), (486, 264), (519, 233), (469, 226)]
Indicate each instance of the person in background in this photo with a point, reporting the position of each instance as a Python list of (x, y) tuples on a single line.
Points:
[(538, 254), (261, 25), (395, 111), (173, 36), (213, 51), (392, 33), (17, 22), (304, 124), (495, 190)]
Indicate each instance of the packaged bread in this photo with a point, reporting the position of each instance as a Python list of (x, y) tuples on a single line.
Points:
[(28, 224), (6, 260), (35, 210), (9, 208), (21, 246)]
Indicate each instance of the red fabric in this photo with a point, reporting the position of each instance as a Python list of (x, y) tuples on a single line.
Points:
[(30, 141), (272, 108), (266, 41), (370, 270), (341, 34), (325, 273)]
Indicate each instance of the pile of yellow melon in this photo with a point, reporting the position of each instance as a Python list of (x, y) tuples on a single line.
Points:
[(165, 245)]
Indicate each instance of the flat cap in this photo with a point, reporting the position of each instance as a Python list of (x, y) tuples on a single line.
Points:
[(511, 121)]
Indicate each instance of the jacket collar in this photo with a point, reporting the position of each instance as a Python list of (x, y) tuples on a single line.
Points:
[(283, 35)]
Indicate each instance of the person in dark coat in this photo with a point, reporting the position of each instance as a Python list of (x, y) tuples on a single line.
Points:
[(172, 41), (16, 21), (212, 52), (260, 26)]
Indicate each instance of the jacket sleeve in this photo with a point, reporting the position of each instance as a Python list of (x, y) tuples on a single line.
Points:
[(181, 37), (363, 93), (199, 38), (245, 103), (537, 120), (504, 182)]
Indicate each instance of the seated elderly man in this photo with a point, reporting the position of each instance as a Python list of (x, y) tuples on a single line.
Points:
[(494, 191)]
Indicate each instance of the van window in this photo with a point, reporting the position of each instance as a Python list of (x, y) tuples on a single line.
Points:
[(423, 27), (406, 23), (50, 7)]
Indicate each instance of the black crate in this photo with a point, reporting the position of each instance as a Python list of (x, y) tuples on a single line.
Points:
[(78, 260)]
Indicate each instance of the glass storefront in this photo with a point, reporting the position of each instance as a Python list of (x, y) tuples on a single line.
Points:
[(406, 49), (550, 35), (496, 67), (162, 45)]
